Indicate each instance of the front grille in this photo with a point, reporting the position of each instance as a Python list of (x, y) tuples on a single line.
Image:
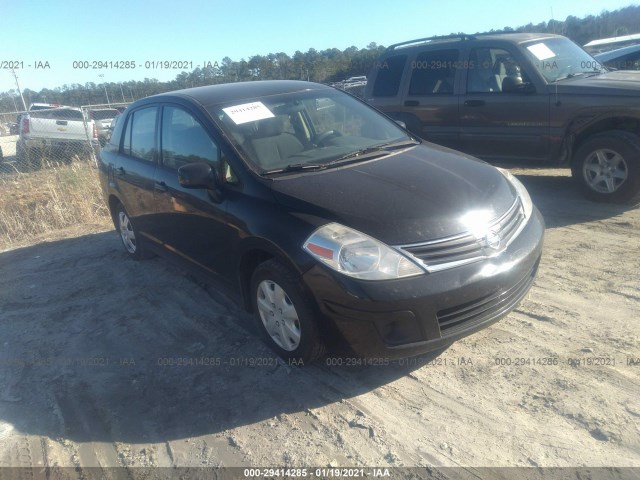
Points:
[(460, 317), (449, 252)]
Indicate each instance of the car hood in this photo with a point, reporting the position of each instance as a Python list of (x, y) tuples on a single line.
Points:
[(421, 193), (621, 82)]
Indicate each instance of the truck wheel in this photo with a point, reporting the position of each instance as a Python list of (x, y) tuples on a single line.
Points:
[(607, 166), (283, 314), (28, 159), (34, 156)]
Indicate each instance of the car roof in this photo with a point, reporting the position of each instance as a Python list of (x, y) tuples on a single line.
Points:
[(457, 39), (230, 92)]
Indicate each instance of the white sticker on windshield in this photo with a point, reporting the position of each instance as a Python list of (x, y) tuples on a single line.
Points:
[(248, 112), (541, 51)]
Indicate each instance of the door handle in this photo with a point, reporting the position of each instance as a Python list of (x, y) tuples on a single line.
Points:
[(411, 103), (161, 187), (120, 171), (474, 103)]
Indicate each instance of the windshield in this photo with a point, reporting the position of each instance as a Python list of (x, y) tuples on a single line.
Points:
[(308, 129), (560, 58)]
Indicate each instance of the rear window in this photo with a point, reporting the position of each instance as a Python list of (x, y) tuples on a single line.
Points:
[(389, 76), (103, 114), (58, 114)]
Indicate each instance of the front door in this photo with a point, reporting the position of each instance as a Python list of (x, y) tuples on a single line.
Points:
[(502, 116), (191, 222)]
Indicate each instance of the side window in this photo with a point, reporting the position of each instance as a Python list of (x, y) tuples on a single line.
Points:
[(434, 73), (493, 70), (140, 134), (184, 140), (389, 76)]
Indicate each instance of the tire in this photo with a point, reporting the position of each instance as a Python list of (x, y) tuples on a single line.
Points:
[(131, 240), (27, 158), (607, 167), (280, 289), (34, 158)]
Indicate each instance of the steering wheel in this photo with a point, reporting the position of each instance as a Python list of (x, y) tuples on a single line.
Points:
[(323, 136)]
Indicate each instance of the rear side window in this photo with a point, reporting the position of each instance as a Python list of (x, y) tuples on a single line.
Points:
[(434, 73), (389, 76), (185, 140), (140, 134)]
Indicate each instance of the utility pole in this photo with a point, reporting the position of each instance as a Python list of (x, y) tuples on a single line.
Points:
[(104, 85), (19, 91), (15, 105)]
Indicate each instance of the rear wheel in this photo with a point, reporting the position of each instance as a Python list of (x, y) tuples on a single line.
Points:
[(129, 234), (283, 313), (28, 159), (607, 167)]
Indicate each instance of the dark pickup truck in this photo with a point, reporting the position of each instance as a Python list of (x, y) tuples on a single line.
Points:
[(518, 97)]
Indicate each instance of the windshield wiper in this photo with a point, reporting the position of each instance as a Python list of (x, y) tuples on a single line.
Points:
[(295, 167), (590, 73), (384, 147)]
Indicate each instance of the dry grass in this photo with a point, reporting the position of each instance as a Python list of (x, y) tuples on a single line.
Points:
[(38, 203)]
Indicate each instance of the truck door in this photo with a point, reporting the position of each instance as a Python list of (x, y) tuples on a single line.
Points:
[(502, 114)]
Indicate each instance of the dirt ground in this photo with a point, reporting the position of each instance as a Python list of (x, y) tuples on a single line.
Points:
[(88, 339)]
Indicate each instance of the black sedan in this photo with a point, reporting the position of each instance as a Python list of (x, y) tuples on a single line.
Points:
[(328, 218)]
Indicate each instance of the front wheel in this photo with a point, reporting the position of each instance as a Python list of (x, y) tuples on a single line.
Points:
[(283, 313), (607, 167)]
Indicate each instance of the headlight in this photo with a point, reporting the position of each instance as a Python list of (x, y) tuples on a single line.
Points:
[(527, 204), (358, 255)]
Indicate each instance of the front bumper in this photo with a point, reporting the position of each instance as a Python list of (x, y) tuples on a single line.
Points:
[(412, 316)]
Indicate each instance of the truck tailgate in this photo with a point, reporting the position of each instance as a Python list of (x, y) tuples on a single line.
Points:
[(57, 123)]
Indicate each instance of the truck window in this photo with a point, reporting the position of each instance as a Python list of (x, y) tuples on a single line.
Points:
[(389, 76), (433, 73), (493, 68)]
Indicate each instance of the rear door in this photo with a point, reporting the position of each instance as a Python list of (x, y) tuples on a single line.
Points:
[(430, 96), (133, 169), (498, 119)]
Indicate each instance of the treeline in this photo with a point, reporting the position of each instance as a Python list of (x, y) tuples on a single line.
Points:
[(323, 66), (625, 21)]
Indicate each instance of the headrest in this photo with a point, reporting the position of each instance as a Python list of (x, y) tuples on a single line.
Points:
[(270, 127)]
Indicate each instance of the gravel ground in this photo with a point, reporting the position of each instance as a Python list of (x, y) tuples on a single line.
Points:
[(86, 335)]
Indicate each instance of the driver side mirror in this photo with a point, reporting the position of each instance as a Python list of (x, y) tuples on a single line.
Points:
[(198, 175), (516, 85), (401, 123)]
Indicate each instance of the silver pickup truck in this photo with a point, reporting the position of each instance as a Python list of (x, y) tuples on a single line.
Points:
[(56, 134)]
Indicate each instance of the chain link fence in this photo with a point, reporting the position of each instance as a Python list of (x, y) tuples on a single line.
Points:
[(48, 172), (44, 137)]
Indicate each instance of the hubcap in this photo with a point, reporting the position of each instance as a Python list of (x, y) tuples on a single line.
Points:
[(278, 315), (126, 232), (605, 170)]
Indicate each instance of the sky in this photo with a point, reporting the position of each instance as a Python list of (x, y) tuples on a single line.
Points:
[(46, 37)]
